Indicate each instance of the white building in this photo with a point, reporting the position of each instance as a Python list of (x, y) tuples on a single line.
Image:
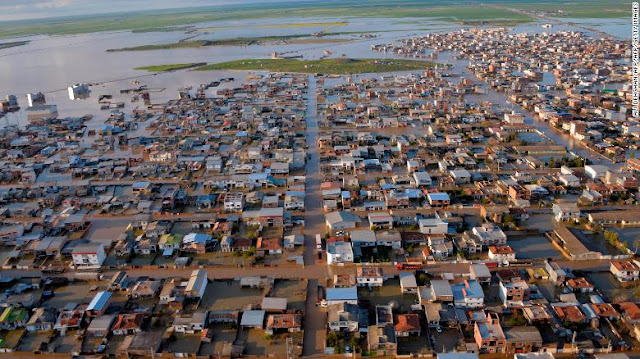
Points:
[(35, 99), (78, 91), (566, 211), (460, 176), (625, 270), (514, 293), (408, 283), (337, 221), (433, 225), (343, 316), (569, 180), (468, 294), (88, 255), (197, 284), (422, 179), (294, 201), (234, 202), (363, 238), (369, 276), (342, 295), (502, 253), (489, 234), (595, 171), (339, 252), (514, 118)]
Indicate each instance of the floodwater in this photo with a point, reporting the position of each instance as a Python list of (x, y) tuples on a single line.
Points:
[(532, 247), (630, 236), (51, 63)]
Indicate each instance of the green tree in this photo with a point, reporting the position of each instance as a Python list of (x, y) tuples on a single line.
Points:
[(517, 320), (332, 339)]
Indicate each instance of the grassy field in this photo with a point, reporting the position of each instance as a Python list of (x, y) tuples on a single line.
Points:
[(171, 67), (316, 40), (167, 29), (235, 41), (577, 9), (7, 45), (325, 66), (453, 11)]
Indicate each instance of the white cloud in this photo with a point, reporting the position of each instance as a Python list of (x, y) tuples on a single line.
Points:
[(53, 4)]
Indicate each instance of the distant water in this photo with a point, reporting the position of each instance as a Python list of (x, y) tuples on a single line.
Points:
[(50, 64)]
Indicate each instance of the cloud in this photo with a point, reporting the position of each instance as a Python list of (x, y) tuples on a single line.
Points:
[(36, 5), (53, 4)]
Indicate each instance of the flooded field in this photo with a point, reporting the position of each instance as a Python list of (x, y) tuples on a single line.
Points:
[(630, 236), (389, 292), (228, 295), (533, 247), (77, 293), (611, 288), (532, 137), (295, 291), (541, 222)]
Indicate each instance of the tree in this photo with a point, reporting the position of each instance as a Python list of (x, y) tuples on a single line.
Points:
[(517, 320), (596, 228), (332, 339), (612, 237), (508, 218)]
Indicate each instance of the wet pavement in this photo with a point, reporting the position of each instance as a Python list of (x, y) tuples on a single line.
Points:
[(315, 317)]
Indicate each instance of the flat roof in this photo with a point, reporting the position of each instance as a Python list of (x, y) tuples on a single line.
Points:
[(99, 301), (348, 293), (571, 242), (252, 318)]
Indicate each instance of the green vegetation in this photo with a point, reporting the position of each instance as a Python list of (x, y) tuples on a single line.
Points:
[(494, 12), (172, 67), (235, 41), (325, 66), (613, 238), (516, 320), (167, 29), (565, 161), (153, 20), (8, 45), (577, 9)]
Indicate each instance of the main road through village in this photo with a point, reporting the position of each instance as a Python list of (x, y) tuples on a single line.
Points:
[(314, 323)]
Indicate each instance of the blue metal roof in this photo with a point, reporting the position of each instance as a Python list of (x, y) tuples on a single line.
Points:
[(99, 301), (350, 293), (440, 196)]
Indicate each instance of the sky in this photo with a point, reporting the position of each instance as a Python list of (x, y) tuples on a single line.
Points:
[(39, 9)]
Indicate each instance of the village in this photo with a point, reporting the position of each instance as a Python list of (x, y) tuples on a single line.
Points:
[(487, 205)]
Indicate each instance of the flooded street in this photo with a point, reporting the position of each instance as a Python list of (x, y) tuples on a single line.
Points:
[(501, 99), (314, 336)]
